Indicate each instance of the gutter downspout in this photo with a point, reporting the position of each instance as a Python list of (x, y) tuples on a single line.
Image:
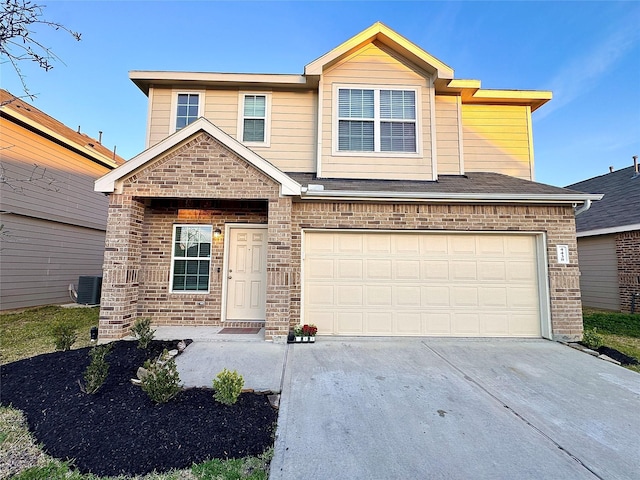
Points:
[(585, 206)]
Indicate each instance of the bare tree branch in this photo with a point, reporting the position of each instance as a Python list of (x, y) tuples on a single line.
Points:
[(37, 177), (17, 44)]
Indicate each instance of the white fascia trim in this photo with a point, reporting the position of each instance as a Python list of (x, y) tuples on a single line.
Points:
[(606, 231), (447, 197), (204, 77), (107, 183)]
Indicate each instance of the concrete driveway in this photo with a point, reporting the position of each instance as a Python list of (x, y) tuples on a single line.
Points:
[(455, 409)]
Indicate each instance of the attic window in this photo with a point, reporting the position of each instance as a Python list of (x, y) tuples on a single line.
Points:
[(376, 120), (188, 108)]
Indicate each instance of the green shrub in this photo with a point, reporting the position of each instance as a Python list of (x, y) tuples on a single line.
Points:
[(227, 386), (592, 339), (162, 381), (97, 370), (141, 329), (64, 335)]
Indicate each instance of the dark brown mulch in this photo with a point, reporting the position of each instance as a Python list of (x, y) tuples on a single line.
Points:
[(619, 356), (119, 430)]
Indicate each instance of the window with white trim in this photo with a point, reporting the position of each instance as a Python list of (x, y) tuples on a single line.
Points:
[(376, 120), (254, 118), (191, 258), (188, 108)]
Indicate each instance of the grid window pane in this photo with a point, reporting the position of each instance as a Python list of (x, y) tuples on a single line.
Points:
[(187, 110), (355, 136), (253, 130), (255, 105), (355, 103), (397, 137), (191, 258)]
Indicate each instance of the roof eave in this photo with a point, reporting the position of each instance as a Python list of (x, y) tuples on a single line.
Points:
[(440, 197)]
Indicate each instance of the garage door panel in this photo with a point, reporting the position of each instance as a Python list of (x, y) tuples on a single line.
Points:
[(409, 323), (464, 296), (369, 283), (350, 269), (350, 295), (349, 323), (407, 269), (467, 324), (379, 269), (495, 324), (377, 295), (408, 296), (380, 323), (318, 268), (435, 296)]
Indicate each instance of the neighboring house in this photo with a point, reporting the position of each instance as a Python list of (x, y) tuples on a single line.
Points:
[(372, 195), (609, 241), (53, 222)]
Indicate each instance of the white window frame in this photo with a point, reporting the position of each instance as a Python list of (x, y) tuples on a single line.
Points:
[(174, 105), (267, 118), (174, 258), (335, 151)]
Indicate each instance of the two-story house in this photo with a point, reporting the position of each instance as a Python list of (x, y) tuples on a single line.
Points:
[(372, 195)]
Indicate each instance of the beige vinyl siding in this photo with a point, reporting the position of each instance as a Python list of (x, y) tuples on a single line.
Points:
[(40, 258), (376, 66), (496, 139), (160, 115), (61, 188), (447, 135), (599, 272), (293, 123), (293, 131)]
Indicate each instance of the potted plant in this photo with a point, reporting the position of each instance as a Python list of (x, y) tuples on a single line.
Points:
[(297, 332), (312, 329)]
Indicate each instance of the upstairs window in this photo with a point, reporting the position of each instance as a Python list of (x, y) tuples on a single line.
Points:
[(376, 120), (191, 258), (254, 121), (188, 108)]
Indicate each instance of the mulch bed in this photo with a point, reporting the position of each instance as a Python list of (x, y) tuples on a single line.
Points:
[(119, 430), (619, 356)]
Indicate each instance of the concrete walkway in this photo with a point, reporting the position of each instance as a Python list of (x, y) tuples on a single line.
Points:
[(455, 409), (260, 363)]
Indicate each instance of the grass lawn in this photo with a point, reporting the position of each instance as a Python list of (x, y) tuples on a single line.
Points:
[(619, 330), (28, 333)]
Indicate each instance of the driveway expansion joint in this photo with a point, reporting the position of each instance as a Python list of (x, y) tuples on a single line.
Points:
[(495, 397)]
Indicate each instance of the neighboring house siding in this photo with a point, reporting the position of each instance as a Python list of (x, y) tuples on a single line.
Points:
[(41, 258), (599, 272), (628, 253), (64, 194), (375, 65), (497, 139), (55, 223), (448, 135), (292, 121)]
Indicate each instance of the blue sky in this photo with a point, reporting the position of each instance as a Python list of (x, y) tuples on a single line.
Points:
[(587, 53)]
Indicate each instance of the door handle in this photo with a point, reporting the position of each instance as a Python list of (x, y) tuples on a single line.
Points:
[(229, 277)]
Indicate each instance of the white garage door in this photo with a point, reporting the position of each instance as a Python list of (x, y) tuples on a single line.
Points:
[(365, 283)]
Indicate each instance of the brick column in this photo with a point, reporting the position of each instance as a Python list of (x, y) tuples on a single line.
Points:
[(119, 302), (628, 253), (278, 268)]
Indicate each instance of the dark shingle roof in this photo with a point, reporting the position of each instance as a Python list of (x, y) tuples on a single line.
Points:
[(473, 182), (620, 205)]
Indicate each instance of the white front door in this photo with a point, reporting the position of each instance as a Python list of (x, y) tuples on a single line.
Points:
[(247, 273)]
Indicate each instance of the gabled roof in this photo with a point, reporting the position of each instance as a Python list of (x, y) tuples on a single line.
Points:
[(383, 34), (474, 187), (618, 211), (28, 116), (109, 182)]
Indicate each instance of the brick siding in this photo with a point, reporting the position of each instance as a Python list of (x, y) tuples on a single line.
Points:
[(628, 253), (204, 182)]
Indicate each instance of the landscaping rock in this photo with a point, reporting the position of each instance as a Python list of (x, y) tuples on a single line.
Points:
[(274, 400), (142, 373), (609, 359)]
